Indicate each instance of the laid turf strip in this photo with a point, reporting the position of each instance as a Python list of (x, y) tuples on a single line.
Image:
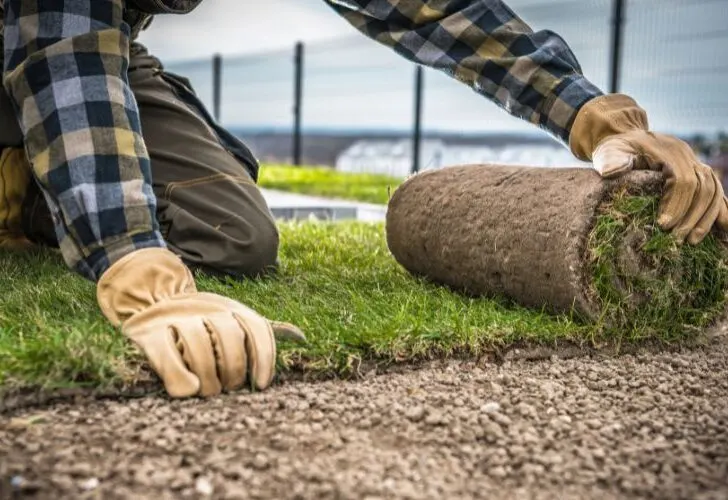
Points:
[(337, 281), (562, 239)]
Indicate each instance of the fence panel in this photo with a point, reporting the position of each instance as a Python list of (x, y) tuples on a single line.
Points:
[(672, 62), (355, 83), (257, 90), (351, 87), (675, 63), (199, 72)]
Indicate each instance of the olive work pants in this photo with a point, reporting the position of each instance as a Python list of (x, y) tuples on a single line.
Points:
[(210, 210)]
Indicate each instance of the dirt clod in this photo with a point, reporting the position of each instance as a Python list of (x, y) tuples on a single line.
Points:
[(636, 426)]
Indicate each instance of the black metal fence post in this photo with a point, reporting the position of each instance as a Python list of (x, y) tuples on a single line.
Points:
[(297, 103), (417, 130), (618, 8), (216, 85)]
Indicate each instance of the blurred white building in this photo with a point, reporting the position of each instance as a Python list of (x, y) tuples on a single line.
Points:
[(394, 157)]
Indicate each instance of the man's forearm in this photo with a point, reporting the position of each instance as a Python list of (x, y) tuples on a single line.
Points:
[(482, 43), (65, 70)]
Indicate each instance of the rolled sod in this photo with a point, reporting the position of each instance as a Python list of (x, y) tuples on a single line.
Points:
[(563, 240)]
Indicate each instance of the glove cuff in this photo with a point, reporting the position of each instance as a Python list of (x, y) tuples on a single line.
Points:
[(139, 280), (602, 117)]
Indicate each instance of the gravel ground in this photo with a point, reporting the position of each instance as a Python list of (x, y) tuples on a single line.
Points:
[(639, 426)]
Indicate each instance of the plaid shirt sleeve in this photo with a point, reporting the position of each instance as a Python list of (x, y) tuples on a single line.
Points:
[(484, 44), (65, 70)]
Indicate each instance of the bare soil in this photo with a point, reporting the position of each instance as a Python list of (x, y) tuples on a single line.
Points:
[(634, 426)]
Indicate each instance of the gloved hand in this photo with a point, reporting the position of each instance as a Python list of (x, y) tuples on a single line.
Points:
[(15, 176), (198, 343), (612, 132)]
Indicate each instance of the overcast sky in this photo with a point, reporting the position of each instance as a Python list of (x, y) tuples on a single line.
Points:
[(243, 26), (672, 64)]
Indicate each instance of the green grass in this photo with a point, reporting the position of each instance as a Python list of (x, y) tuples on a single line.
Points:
[(338, 282), (323, 181), (657, 287)]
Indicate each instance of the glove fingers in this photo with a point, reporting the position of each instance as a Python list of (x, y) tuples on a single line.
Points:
[(702, 199), (196, 347), (711, 214), (681, 187), (722, 220), (228, 339), (166, 360), (258, 337), (260, 345)]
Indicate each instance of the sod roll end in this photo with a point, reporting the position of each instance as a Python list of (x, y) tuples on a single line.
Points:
[(562, 239)]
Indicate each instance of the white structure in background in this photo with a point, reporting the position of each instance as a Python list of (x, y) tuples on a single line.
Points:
[(394, 157)]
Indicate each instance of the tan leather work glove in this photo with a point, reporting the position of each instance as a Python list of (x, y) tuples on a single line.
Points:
[(198, 343), (612, 132), (15, 176)]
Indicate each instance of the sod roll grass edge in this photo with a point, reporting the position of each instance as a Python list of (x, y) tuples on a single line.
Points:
[(564, 240)]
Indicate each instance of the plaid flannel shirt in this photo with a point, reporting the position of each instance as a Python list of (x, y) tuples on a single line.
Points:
[(65, 70), (484, 44)]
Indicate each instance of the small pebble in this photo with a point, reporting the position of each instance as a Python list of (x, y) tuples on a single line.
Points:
[(90, 484), (204, 486), (416, 413), (260, 461), (435, 419), (498, 471), (490, 407)]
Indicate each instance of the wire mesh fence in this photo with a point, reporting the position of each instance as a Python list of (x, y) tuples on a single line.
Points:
[(357, 107), (674, 63)]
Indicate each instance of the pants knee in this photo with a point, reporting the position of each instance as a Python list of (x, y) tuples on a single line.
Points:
[(254, 249), (244, 246)]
